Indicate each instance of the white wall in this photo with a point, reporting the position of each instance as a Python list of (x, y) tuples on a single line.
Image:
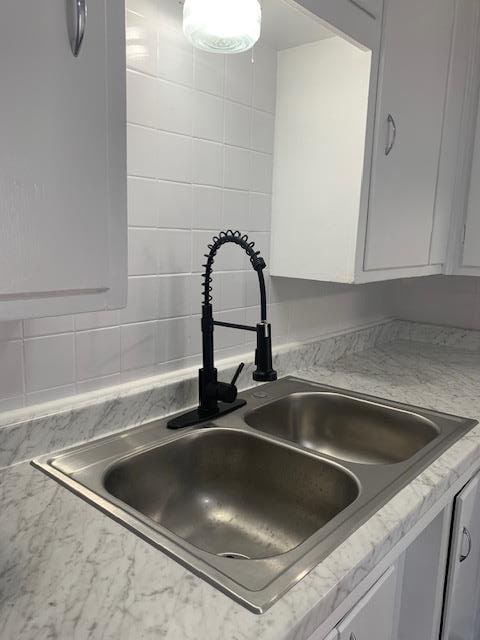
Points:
[(199, 159), (446, 300)]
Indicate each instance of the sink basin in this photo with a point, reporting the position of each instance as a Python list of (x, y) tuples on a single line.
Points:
[(252, 501), (233, 494), (345, 427)]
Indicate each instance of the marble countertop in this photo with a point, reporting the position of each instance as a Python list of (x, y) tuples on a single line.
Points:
[(68, 571)]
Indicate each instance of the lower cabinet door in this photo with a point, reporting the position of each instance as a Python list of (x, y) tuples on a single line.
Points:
[(372, 617), (462, 597)]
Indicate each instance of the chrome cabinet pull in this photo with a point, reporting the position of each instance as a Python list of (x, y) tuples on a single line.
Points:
[(466, 534), (390, 140), (77, 18)]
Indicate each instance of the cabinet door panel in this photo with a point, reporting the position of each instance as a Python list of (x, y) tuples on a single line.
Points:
[(471, 247), (461, 599), (412, 90), (373, 7), (54, 152), (373, 616)]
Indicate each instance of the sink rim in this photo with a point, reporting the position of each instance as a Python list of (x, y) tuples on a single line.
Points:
[(224, 573)]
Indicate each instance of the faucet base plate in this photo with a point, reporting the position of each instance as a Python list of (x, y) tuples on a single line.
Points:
[(193, 417)]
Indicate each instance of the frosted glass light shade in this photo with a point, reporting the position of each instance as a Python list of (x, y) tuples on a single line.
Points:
[(222, 26)]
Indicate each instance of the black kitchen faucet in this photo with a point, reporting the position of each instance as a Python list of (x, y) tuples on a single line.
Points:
[(218, 398)]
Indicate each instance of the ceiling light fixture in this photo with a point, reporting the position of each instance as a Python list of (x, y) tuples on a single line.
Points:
[(222, 26)]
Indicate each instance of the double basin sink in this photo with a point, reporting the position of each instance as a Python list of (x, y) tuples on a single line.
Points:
[(254, 500)]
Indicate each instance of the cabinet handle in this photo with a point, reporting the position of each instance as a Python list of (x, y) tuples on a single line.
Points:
[(390, 139), (77, 18), (466, 534)]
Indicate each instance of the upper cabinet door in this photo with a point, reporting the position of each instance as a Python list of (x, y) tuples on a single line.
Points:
[(373, 7), (414, 70), (62, 159), (471, 246)]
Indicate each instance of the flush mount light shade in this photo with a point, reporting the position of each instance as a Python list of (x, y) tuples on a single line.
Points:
[(222, 26)]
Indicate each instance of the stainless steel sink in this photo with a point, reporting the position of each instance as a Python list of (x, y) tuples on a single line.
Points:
[(345, 427), (233, 494), (254, 500)]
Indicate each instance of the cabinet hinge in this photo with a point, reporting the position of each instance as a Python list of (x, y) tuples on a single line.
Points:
[(464, 233)]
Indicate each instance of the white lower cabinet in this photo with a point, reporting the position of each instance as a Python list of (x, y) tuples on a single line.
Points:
[(372, 618), (431, 591), (462, 597)]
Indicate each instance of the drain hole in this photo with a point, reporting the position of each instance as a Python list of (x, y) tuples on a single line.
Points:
[(233, 555)]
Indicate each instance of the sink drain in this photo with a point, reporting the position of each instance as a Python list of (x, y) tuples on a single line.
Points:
[(233, 555)]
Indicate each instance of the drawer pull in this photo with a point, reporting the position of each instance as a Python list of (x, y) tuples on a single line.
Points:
[(77, 18), (466, 534)]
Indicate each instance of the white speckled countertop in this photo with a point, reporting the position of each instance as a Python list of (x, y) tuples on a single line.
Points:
[(68, 571)]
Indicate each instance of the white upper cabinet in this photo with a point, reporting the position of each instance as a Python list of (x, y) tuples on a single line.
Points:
[(62, 159), (461, 151), (373, 7), (412, 87), (357, 152)]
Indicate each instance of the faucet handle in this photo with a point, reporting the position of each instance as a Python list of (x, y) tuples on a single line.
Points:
[(237, 373)]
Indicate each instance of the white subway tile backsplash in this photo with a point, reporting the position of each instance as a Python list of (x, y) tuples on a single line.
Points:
[(177, 337), (142, 99), (141, 43), (96, 320), (138, 345), (142, 151), (260, 212), (143, 197), (146, 8), (47, 326), (49, 362), (11, 329), (261, 172), (236, 209), (237, 168), (207, 207), (142, 303), (175, 205), (208, 116), (142, 252), (263, 126), (239, 78), (174, 157), (209, 72), (173, 108), (238, 124), (11, 371), (97, 353), (174, 296), (232, 290), (207, 163), (46, 395), (195, 335), (265, 78), (98, 383), (174, 251), (226, 338), (174, 53)]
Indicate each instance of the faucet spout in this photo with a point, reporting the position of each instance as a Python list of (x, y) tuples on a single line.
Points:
[(217, 398)]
